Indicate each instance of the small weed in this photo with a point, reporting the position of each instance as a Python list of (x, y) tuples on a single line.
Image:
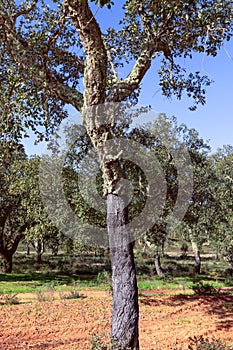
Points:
[(182, 284), (97, 343), (228, 306), (71, 294), (9, 299), (167, 278), (184, 320), (45, 295)]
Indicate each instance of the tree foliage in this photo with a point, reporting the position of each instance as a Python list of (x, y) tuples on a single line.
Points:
[(43, 51)]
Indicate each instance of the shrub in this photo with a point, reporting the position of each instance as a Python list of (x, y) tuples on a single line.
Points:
[(201, 288), (201, 343), (104, 278)]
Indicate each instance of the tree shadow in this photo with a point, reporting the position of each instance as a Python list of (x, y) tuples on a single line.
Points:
[(45, 344), (149, 300), (45, 277), (220, 305)]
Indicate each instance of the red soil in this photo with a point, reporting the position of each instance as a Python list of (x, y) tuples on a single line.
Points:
[(166, 322)]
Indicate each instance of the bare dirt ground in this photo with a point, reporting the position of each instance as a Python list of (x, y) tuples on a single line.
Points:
[(166, 322)]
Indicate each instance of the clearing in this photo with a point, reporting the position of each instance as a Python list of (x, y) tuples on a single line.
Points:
[(166, 321)]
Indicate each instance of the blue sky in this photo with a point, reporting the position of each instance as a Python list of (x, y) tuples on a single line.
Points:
[(214, 120)]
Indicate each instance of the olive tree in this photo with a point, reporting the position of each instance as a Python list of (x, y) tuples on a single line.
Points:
[(55, 53)]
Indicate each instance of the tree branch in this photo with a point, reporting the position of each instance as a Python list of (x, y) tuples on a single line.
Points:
[(155, 43), (110, 59), (96, 56), (124, 88), (20, 236), (24, 11), (19, 51)]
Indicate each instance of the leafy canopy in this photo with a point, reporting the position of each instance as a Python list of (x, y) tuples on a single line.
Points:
[(46, 45)]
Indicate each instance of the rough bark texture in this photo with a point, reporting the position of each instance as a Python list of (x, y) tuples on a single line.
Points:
[(96, 56), (124, 285)]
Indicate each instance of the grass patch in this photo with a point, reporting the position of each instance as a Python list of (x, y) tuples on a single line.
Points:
[(18, 287), (31, 283)]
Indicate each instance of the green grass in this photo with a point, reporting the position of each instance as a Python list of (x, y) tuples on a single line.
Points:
[(63, 273), (182, 283), (30, 283), (156, 284), (18, 287)]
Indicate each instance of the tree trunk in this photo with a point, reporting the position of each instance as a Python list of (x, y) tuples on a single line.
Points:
[(125, 312), (39, 258), (39, 251), (8, 262), (8, 250), (158, 266), (230, 263), (197, 257)]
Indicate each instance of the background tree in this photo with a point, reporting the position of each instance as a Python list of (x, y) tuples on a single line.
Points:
[(222, 162), (13, 218), (198, 221), (40, 232), (42, 61)]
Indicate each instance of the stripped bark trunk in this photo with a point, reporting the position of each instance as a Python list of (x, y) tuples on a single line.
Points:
[(125, 310), (125, 313), (125, 294)]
